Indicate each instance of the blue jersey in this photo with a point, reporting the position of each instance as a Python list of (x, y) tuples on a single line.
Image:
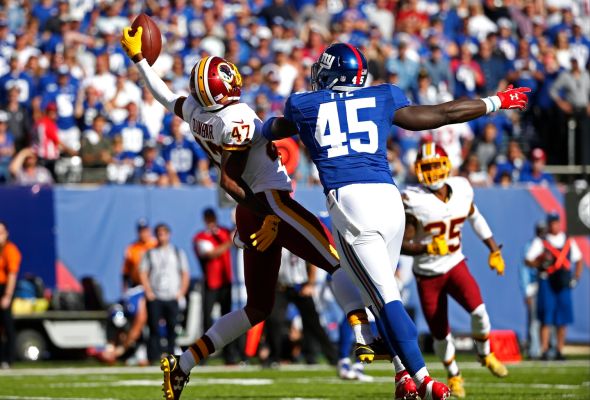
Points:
[(346, 132)]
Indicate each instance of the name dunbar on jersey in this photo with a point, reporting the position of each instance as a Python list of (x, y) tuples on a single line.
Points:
[(348, 123), (435, 218), (237, 127)]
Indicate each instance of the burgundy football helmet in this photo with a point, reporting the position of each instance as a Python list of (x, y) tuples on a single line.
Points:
[(215, 83)]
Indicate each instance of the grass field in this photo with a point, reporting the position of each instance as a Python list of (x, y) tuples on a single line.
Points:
[(527, 380)]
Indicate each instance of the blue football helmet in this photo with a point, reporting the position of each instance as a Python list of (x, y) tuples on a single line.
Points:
[(340, 67)]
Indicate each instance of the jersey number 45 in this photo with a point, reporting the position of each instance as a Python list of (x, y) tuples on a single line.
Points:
[(328, 130)]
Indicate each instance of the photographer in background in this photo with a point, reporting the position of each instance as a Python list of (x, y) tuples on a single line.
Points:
[(528, 279), (555, 257), (164, 275), (10, 259)]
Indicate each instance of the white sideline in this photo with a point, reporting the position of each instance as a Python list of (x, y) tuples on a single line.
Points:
[(380, 366)]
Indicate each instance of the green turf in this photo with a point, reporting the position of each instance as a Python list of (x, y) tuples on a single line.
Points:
[(528, 380)]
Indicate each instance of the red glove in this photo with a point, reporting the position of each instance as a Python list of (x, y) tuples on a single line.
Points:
[(514, 98)]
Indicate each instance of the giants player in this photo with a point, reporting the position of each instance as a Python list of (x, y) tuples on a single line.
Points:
[(267, 217), (435, 214), (345, 127)]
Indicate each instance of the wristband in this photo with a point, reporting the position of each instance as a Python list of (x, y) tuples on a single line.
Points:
[(492, 103)]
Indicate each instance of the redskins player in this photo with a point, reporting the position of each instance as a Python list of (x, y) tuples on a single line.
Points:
[(435, 214), (268, 219)]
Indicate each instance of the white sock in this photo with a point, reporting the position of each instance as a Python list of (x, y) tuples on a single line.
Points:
[(445, 350), (419, 376), (397, 364), (483, 347), (480, 329), (225, 330), (228, 328)]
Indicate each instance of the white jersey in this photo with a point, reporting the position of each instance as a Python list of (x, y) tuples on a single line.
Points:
[(237, 127), (436, 217)]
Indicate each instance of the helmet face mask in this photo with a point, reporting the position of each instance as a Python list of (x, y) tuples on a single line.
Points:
[(340, 67), (432, 166), (215, 83)]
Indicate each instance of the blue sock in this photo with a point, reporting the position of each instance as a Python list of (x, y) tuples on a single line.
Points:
[(402, 335), (345, 339)]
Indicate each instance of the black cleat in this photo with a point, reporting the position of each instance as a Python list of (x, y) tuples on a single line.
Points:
[(174, 378), (367, 353)]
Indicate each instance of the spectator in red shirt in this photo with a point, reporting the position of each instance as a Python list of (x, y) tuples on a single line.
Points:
[(45, 138), (212, 247)]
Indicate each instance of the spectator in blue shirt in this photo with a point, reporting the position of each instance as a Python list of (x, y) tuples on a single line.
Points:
[(64, 95), (88, 107), (493, 66), (536, 174), (16, 77), (512, 165), (133, 132), (43, 11), (406, 69), (182, 155), (151, 169)]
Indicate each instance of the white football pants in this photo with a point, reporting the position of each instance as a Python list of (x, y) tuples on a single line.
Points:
[(370, 258)]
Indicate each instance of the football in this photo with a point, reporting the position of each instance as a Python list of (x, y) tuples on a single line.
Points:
[(151, 38)]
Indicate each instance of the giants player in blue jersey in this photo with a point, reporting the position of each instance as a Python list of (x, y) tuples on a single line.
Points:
[(345, 127)]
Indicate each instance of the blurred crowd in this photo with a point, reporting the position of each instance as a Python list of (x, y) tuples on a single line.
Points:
[(74, 110)]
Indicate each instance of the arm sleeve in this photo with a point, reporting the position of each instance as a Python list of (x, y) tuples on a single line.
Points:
[(535, 250), (575, 253), (479, 224), (203, 247), (143, 265), (183, 261), (14, 259), (556, 88), (157, 86)]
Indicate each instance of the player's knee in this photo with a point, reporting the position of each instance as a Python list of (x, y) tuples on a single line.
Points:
[(480, 320)]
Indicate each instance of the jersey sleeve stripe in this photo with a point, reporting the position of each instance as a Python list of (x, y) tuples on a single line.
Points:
[(237, 147)]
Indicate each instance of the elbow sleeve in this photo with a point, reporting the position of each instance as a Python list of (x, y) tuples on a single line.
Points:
[(480, 225), (157, 86)]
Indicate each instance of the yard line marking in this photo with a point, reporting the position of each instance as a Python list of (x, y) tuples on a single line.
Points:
[(51, 398), (153, 382), (56, 371)]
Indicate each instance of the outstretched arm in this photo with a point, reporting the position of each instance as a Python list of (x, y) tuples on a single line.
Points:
[(132, 46), (416, 118)]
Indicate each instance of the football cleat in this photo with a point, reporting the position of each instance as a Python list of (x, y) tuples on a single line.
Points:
[(456, 386), (433, 390), (174, 378), (345, 370), (367, 353), (359, 371), (405, 388), (494, 365)]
